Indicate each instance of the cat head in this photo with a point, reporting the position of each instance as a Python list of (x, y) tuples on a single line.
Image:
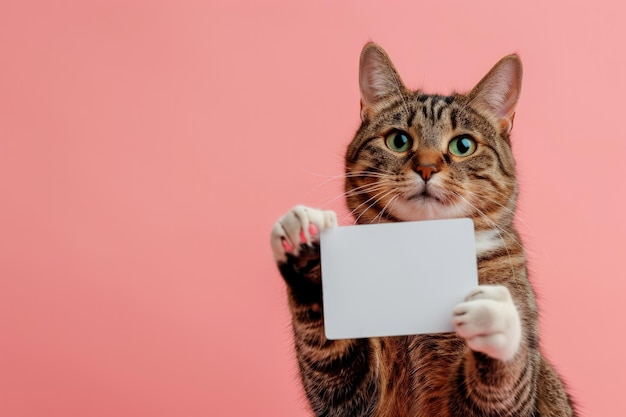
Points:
[(419, 156)]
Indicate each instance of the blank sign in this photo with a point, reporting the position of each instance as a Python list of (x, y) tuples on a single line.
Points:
[(397, 278)]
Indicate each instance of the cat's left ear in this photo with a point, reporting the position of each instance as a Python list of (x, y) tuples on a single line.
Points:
[(497, 93)]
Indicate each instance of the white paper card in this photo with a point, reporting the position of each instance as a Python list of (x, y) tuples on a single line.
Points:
[(396, 278)]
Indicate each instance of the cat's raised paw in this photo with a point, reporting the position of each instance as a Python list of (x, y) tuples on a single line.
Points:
[(489, 322), (300, 226)]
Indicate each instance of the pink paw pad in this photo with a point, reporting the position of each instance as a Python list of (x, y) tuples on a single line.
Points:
[(312, 231), (286, 245)]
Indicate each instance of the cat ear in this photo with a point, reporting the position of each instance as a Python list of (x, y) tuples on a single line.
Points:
[(378, 79), (497, 93)]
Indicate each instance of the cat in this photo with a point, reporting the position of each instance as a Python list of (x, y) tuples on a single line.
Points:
[(418, 156)]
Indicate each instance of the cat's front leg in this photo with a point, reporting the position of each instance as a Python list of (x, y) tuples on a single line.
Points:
[(499, 369), (489, 322), (337, 375)]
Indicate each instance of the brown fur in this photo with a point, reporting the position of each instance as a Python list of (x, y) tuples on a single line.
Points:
[(428, 375)]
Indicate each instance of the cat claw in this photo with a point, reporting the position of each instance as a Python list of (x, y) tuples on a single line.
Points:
[(489, 322), (300, 226)]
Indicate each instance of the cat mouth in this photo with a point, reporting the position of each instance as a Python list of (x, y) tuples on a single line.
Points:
[(426, 196), (428, 205)]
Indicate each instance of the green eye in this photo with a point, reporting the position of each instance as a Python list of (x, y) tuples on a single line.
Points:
[(398, 141), (463, 145)]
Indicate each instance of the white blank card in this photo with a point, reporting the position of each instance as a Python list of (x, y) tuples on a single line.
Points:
[(396, 278)]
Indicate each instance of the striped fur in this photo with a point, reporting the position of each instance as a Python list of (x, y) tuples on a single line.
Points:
[(438, 374)]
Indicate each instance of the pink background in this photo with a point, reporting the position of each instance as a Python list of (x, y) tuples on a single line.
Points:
[(147, 147)]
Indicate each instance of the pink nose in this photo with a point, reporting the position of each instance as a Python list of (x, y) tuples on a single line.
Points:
[(426, 171)]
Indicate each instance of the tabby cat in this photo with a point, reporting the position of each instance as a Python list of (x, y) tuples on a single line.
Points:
[(418, 156)]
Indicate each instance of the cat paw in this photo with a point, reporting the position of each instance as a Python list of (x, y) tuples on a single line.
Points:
[(489, 322), (300, 226)]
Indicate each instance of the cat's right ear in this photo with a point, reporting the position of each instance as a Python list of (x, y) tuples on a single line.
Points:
[(378, 79)]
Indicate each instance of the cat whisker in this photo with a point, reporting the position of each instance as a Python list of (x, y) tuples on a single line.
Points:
[(362, 173), (376, 176), (329, 180), (364, 189), (356, 209), (323, 175), (513, 211), (477, 184), (358, 174), (389, 204), (374, 197), (508, 253), (494, 224), (372, 205), (508, 209)]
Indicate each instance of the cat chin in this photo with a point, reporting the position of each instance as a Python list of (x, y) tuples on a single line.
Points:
[(428, 209)]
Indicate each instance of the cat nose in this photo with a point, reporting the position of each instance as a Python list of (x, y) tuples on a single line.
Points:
[(426, 171)]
